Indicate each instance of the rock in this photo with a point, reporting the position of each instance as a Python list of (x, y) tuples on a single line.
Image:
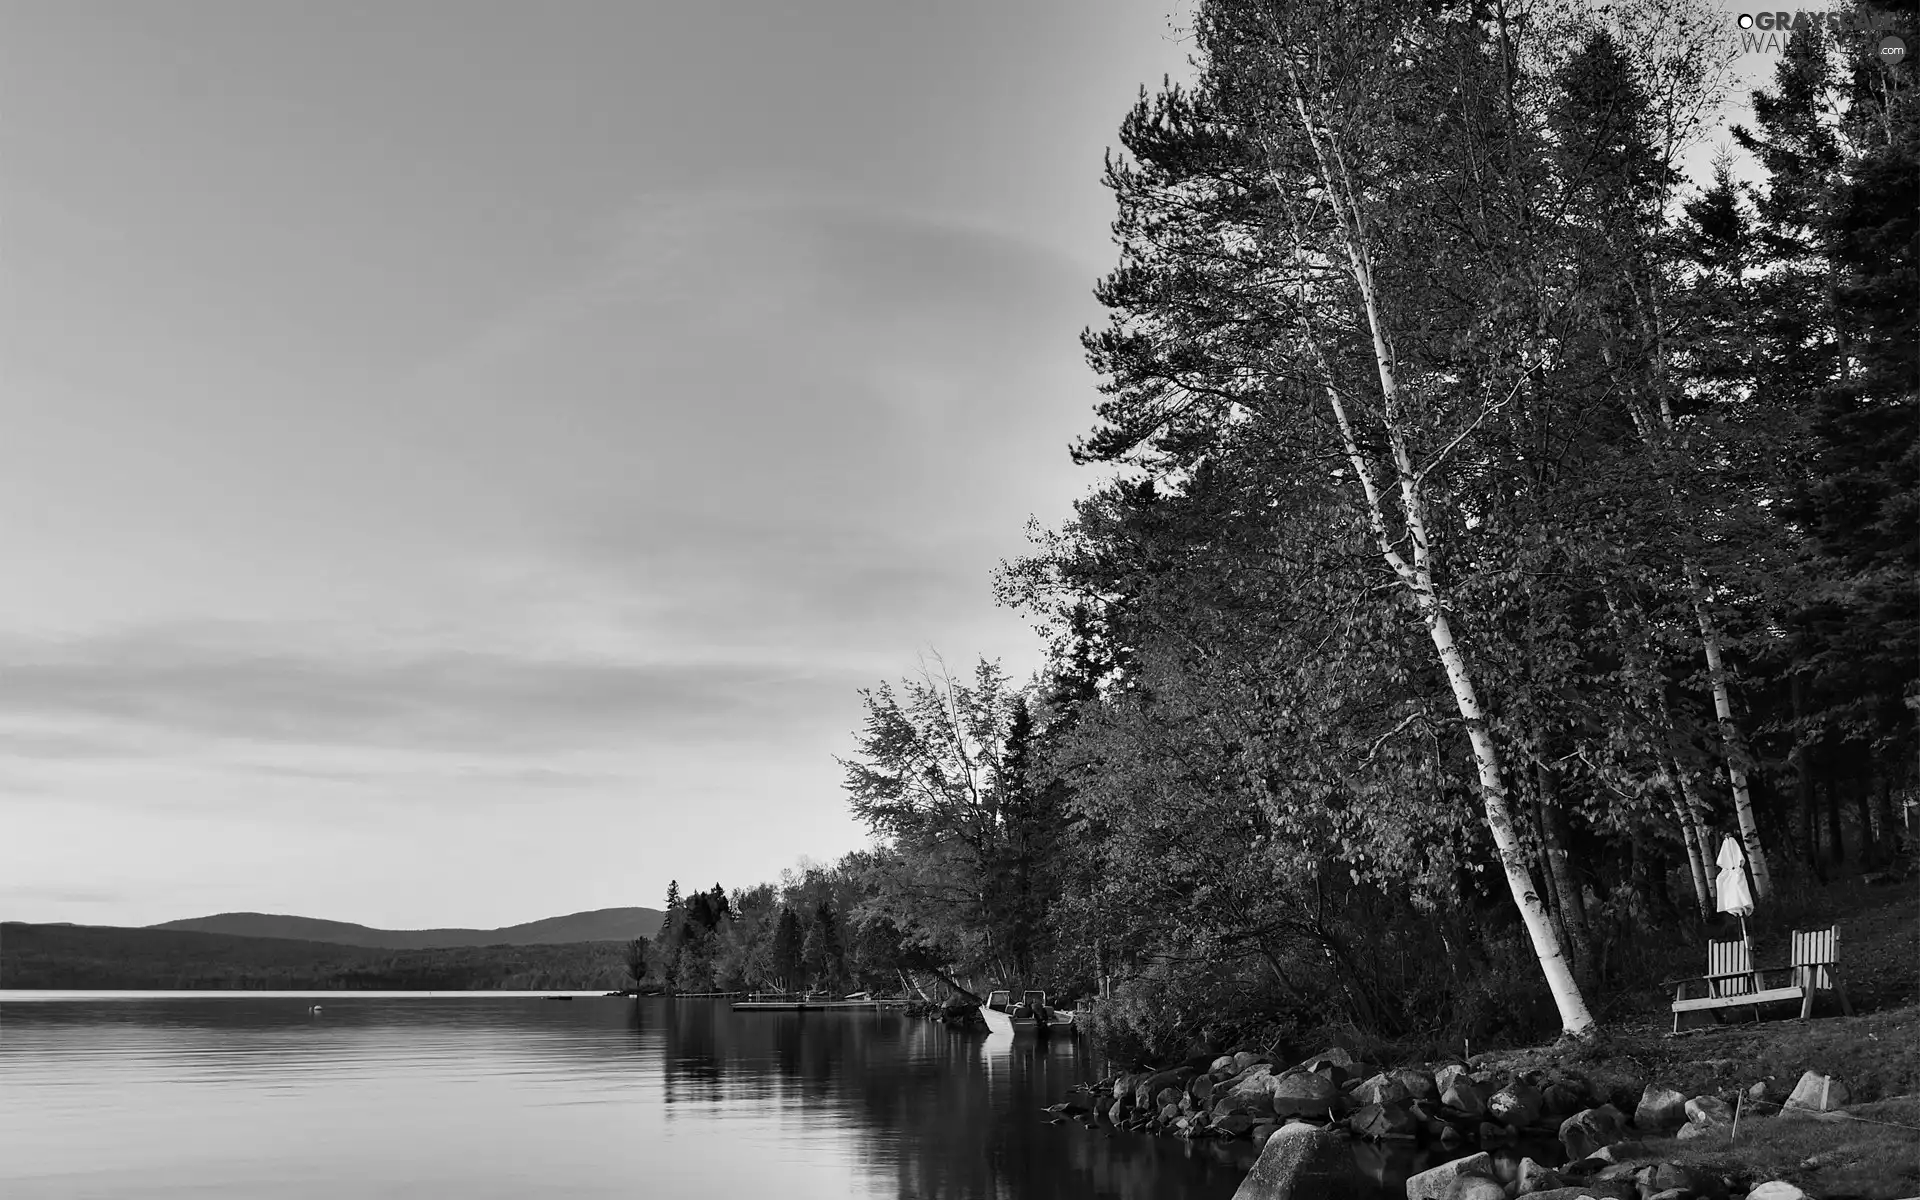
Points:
[(1234, 1124), (1303, 1094), (1451, 1137), (1245, 1059), (1463, 1096), (1587, 1131), (1710, 1111), (1535, 1178), (1168, 1096), (1260, 1133), (1660, 1108), (1200, 1087), (1617, 1154), (1223, 1063), (1303, 1163), (1516, 1104), (1432, 1184), (1381, 1089), (1561, 1099), (1419, 1084), (1336, 1055), (1671, 1194), (1428, 1116), (1670, 1176), (1612, 1189), (1256, 1104), (1492, 1132), (1690, 1131), (1444, 1076), (1817, 1093), (1757, 1092), (1146, 1093), (1380, 1121), (1776, 1189), (1474, 1187)]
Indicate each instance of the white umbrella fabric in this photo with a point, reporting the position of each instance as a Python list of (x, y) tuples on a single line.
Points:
[(1730, 885)]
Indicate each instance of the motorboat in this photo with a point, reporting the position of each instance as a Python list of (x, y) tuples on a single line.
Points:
[(1030, 1015)]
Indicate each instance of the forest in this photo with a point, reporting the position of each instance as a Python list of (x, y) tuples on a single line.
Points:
[(1487, 518)]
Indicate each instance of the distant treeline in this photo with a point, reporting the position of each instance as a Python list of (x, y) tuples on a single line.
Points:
[(89, 956)]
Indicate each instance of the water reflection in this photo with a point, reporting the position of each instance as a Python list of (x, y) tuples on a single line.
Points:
[(490, 1096)]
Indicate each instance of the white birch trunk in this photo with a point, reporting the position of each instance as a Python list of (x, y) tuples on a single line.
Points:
[(1414, 569), (1693, 836), (1730, 735)]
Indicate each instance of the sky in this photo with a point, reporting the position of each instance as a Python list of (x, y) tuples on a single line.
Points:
[(461, 463)]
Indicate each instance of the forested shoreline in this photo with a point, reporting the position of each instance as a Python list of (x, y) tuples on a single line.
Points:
[(1491, 520)]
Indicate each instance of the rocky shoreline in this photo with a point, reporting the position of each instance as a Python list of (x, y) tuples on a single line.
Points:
[(1609, 1126)]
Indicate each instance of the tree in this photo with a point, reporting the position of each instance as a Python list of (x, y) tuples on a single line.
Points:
[(636, 959), (1282, 263), (788, 961)]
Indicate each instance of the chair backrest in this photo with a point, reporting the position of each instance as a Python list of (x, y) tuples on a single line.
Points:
[(1814, 951), (1733, 958)]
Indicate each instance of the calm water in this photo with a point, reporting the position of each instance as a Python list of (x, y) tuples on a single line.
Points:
[(492, 1096)]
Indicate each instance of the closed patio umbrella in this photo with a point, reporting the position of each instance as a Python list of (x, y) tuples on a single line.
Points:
[(1732, 895)]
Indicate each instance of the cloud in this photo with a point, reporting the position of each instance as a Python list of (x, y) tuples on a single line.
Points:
[(167, 681)]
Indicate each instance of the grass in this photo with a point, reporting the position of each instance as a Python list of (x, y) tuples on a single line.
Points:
[(1823, 1158)]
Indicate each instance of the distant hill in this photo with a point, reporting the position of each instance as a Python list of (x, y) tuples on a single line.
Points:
[(105, 956), (600, 925)]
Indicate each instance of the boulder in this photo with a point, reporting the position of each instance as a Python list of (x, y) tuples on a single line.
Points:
[(1669, 1176), (1146, 1093), (1338, 1055), (1612, 1189), (1535, 1178), (1381, 1089), (1168, 1096), (1671, 1194), (1517, 1104), (1255, 1104), (1261, 1132), (1234, 1124), (1710, 1111), (1200, 1087), (1451, 1137), (1463, 1096), (1245, 1059), (1303, 1094), (1428, 1116), (1444, 1075), (1776, 1189), (1432, 1184), (1561, 1099), (1587, 1131), (1817, 1093), (1303, 1163), (1474, 1187), (1660, 1108), (1491, 1132), (1223, 1063), (1419, 1084), (1377, 1122), (1690, 1131)]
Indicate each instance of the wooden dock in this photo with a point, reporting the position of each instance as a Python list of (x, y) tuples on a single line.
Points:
[(817, 1005)]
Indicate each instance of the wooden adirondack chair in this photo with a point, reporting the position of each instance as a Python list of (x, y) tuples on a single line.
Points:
[(1815, 966), (1731, 981)]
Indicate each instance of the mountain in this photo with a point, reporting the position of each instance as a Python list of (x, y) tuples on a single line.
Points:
[(104, 956), (600, 925)]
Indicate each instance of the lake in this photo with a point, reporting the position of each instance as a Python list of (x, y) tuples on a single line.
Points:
[(486, 1095)]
